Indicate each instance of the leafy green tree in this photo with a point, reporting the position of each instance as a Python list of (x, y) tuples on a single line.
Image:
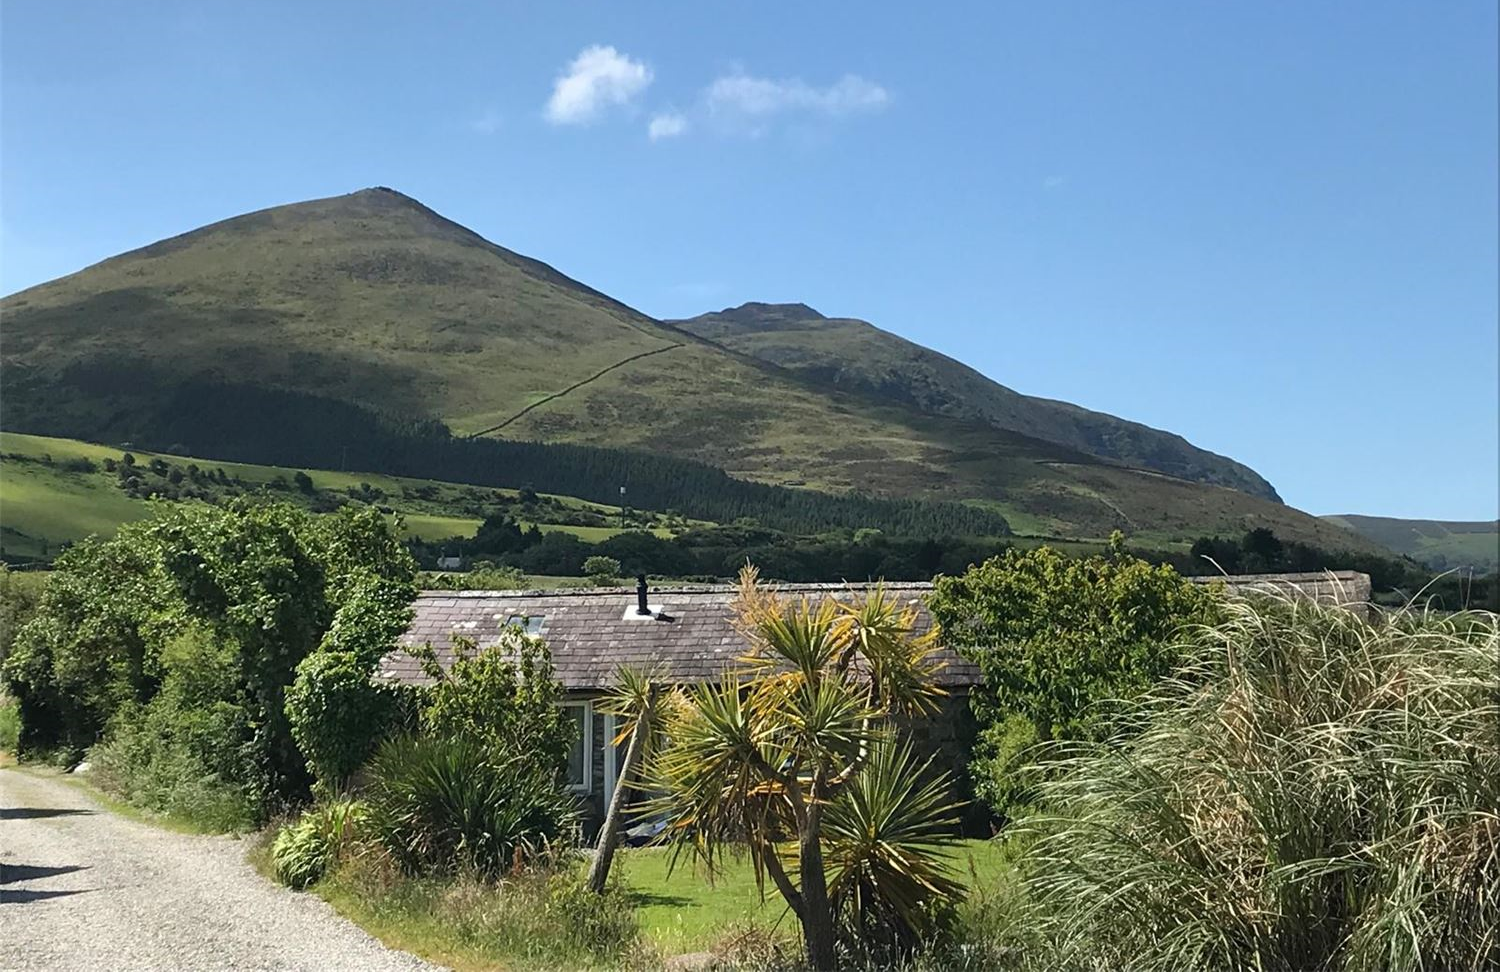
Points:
[(1060, 642), (602, 570), (267, 583), (20, 596), (505, 697), (92, 643), (796, 742)]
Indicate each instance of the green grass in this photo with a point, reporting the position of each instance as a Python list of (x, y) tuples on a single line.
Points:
[(682, 910), (44, 506), (41, 507), (466, 927)]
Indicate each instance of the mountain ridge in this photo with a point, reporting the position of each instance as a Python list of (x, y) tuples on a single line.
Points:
[(293, 316), (841, 349)]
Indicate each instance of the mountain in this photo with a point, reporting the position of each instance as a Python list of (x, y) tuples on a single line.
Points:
[(279, 325), (1441, 544), (857, 356)]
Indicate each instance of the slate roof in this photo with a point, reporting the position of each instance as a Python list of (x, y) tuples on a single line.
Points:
[(1335, 587), (591, 633)]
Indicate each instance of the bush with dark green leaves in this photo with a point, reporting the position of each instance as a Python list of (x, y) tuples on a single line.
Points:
[(1060, 642), (188, 751), (504, 698), (338, 714), (445, 805), (267, 584)]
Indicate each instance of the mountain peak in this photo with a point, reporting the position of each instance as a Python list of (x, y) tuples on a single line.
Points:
[(756, 311)]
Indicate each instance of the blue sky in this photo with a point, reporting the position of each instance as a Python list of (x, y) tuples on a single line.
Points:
[(1270, 227)]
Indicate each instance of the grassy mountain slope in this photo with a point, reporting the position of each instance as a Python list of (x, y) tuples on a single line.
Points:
[(1437, 543), (855, 355), (373, 300)]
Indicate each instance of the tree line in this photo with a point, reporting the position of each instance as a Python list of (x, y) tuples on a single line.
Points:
[(296, 429)]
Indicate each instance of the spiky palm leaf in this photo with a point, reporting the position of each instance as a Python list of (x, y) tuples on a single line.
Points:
[(888, 833), (902, 669)]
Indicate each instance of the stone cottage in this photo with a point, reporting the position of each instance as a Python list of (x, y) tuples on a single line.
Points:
[(683, 634), (686, 636)]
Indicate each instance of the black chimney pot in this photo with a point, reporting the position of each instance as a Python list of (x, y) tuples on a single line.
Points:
[(641, 607)]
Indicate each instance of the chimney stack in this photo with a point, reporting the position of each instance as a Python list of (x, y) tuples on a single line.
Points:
[(641, 607)]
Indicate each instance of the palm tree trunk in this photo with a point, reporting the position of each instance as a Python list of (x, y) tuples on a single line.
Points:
[(609, 833), (817, 913)]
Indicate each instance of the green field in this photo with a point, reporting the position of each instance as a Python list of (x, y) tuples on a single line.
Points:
[(44, 505), (1442, 544)]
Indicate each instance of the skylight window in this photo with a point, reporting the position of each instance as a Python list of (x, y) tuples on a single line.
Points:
[(529, 623)]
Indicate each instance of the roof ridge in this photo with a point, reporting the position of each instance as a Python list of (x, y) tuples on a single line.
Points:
[(675, 589), (1290, 576)]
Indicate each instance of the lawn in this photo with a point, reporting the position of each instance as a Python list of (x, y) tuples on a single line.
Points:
[(682, 910)]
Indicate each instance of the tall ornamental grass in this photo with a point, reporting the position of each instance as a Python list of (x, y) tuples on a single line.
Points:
[(1313, 790)]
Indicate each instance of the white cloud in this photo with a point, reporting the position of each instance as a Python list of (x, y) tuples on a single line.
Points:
[(486, 124), (746, 96), (1053, 181), (598, 78), (666, 124)]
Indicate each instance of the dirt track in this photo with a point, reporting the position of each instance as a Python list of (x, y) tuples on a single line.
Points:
[(82, 888)]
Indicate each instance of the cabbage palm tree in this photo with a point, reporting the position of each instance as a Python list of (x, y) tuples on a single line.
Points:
[(800, 736), (635, 701)]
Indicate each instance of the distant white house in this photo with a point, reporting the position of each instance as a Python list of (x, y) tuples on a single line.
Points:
[(450, 563)]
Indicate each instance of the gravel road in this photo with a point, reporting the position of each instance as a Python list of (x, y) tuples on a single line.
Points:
[(82, 888)]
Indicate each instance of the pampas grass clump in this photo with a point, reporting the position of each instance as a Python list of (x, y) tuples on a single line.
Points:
[(1314, 790)]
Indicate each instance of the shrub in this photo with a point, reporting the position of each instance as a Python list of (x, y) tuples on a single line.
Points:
[(312, 845), (1313, 790), (180, 760), (10, 725), (1061, 643), (504, 698), (603, 571), (337, 714), (448, 804)]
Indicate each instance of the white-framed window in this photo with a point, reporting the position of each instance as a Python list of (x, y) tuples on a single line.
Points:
[(529, 623), (580, 771), (614, 755)]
